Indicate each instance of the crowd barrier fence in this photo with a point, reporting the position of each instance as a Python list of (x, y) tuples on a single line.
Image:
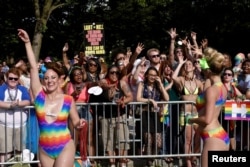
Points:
[(172, 134)]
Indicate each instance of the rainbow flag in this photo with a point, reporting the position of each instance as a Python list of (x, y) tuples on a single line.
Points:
[(237, 110)]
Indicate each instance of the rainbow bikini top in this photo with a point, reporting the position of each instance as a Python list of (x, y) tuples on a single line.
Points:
[(200, 101)]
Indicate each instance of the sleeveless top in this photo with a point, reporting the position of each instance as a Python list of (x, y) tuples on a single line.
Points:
[(53, 136), (83, 97)]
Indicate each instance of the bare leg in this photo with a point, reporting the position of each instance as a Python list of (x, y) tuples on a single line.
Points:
[(196, 143), (188, 143), (211, 144), (67, 156), (111, 160), (91, 150), (45, 160)]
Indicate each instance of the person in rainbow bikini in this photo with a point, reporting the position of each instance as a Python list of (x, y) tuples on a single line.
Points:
[(56, 147), (209, 105)]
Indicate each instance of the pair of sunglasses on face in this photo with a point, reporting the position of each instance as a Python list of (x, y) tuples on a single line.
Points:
[(12, 79)]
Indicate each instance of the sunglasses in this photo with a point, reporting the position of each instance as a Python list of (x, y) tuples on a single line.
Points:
[(91, 65), (197, 61), (227, 74), (154, 56), (12, 79), (114, 72), (77, 74), (121, 58)]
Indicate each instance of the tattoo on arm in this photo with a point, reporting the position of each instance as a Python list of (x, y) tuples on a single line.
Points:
[(126, 89)]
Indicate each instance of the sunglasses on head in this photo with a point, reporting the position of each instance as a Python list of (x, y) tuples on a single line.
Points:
[(228, 74), (154, 56), (114, 72), (12, 79)]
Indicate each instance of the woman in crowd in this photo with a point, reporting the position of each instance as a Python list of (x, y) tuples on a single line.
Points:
[(171, 138), (232, 94), (93, 69), (189, 87), (209, 105), (56, 147), (79, 91), (13, 98), (151, 91)]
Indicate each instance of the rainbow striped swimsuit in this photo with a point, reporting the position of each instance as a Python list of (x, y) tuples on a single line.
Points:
[(53, 136)]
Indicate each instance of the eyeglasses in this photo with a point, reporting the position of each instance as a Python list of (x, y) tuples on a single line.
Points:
[(114, 72), (143, 65), (91, 65), (154, 56), (227, 74), (12, 79)]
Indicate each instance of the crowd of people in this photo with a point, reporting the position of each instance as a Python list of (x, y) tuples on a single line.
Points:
[(188, 72)]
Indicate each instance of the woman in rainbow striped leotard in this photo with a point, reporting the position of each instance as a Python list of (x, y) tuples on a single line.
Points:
[(53, 108), (209, 105)]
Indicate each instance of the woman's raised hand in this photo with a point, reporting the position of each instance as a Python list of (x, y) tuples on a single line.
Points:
[(23, 35)]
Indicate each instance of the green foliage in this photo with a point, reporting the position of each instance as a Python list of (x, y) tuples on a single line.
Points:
[(126, 23)]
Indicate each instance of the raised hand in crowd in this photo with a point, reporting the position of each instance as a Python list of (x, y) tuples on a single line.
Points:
[(172, 33), (204, 43)]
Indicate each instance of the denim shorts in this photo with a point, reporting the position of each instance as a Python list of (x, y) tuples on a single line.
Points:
[(84, 113)]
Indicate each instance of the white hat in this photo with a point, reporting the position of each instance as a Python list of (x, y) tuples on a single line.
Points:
[(137, 62)]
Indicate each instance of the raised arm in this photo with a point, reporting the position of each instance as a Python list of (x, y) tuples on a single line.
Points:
[(164, 93), (175, 76), (65, 57), (132, 59), (35, 83), (173, 35)]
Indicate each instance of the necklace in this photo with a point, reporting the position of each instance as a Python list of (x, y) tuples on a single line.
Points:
[(93, 77), (12, 98)]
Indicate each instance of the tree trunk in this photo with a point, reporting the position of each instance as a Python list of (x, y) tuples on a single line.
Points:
[(42, 15), (37, 39)]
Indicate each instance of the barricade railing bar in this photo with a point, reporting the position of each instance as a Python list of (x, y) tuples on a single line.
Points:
[(140, 134)]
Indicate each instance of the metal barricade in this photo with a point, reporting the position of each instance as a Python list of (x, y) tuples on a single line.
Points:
[(107, 118)]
